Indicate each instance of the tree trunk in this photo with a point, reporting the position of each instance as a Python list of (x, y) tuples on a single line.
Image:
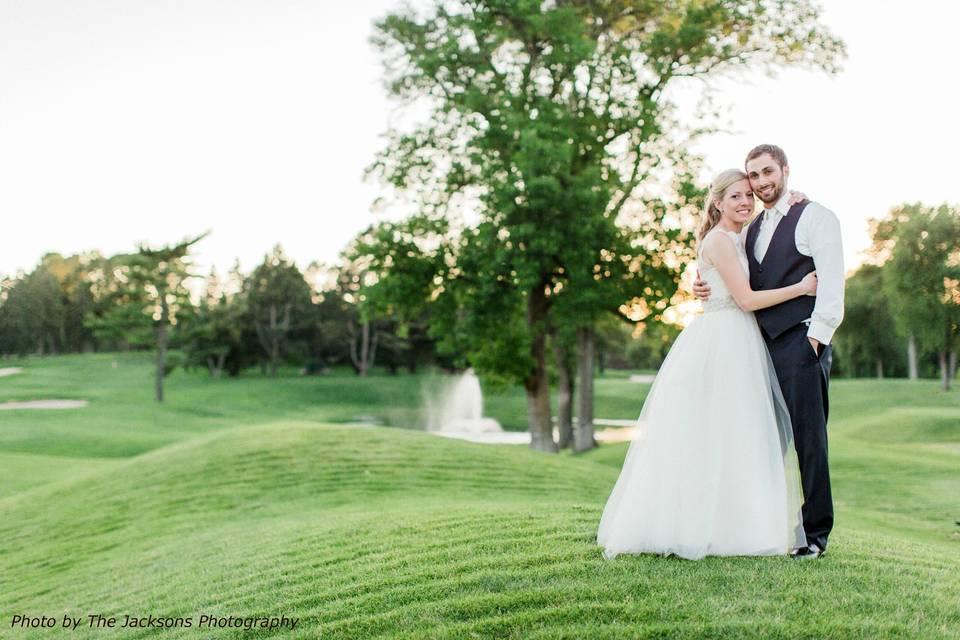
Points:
[(538, 407), (367, 348), (274, 357), (912, 357), (375, 337), (364, 348), (583, 436), (537, 385), (215, 366), (953, 364), (564, 396), (944, 370), (274, 341), (161, 347), (272, 336), (879, 369), (354, 358)]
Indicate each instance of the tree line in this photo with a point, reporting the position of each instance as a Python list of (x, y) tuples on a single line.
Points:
[(148, 300), (316, 318)]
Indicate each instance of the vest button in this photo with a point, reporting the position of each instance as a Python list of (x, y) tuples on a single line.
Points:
[(760, 284), (759, 269)]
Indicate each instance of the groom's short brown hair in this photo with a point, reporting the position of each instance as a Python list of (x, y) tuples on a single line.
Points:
[(775, 152)]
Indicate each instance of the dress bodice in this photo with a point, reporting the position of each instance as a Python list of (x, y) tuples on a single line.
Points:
[(720, 297)]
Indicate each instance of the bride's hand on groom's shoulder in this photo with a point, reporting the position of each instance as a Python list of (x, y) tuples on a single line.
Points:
[(796, 197)]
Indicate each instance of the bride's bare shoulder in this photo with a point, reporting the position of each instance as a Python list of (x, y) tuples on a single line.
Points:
[(730, 238)]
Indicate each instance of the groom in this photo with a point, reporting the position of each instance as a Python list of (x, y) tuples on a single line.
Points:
[(783, 244)]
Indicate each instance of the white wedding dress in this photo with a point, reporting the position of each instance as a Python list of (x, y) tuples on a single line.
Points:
[(711, 469)]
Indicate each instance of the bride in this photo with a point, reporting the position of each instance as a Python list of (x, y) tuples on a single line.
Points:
[(712, 469)]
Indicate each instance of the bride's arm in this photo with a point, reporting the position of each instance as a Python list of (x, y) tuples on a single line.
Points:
[(723, 254)]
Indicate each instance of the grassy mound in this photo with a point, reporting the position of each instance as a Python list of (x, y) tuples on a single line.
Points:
[(272, 470), (378, 532)]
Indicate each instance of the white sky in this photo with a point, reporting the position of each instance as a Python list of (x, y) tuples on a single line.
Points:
[(134, 120)]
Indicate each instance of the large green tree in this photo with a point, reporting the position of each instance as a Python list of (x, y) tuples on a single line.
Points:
[(43, 310), (147, 293), (31, 316), (74, 275), (213, 335), (392, 272), (544, 117), (280, 304), (921, 277), (868, 337)]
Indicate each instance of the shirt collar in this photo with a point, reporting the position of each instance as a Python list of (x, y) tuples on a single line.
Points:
[(779, 209)]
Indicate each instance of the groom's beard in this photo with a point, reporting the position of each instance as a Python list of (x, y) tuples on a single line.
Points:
[(775, 195)]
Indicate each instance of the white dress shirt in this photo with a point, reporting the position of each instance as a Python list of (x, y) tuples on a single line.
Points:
[(818, 236)]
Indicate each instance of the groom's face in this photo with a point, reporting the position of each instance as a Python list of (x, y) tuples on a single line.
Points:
[(767, 178)]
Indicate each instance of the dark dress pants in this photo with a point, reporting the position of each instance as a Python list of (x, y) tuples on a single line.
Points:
[(804, 379)]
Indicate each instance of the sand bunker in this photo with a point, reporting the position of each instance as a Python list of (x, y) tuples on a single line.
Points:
[(37, 404), (44, 404)]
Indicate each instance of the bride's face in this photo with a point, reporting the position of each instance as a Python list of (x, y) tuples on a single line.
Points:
[(737, 203)]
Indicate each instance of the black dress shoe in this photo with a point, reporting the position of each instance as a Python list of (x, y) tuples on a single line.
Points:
[(811, 552)]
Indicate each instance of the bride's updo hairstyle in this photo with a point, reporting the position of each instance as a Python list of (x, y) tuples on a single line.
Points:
[(718, 188)]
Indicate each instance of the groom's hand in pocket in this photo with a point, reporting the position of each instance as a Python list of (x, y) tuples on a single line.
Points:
[(815, 344), (700, 288)]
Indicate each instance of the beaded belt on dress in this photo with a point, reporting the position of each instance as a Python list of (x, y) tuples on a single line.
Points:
[(726, 302)]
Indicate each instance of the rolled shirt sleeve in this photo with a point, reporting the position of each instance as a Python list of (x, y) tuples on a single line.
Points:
[(826, 248)]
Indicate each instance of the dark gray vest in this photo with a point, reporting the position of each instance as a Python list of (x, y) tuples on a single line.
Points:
[(782, 266)]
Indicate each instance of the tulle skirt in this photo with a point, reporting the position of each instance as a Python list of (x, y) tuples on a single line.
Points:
[(712, 469)]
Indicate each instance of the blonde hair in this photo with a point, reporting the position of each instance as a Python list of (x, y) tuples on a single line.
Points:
[(718, 188)]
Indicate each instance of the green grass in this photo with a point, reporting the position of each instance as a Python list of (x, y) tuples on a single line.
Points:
[(245, 497)]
